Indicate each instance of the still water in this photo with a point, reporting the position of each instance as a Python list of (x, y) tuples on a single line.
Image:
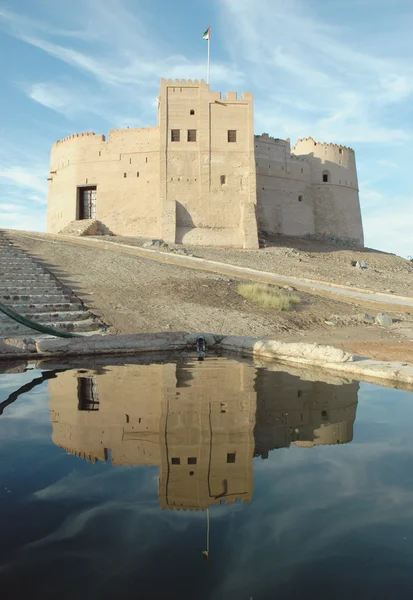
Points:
[(212, 480)]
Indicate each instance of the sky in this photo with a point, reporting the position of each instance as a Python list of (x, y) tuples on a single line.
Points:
[(338, 70)]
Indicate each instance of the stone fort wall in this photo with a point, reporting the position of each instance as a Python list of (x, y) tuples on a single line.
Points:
[(201, 176)]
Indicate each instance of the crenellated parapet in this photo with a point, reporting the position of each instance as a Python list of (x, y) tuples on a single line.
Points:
[(309, 141), (191, 83), (184, 82), (87, 134)]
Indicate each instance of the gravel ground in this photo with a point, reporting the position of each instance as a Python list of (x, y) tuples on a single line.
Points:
[(134, 294), (312, 260)]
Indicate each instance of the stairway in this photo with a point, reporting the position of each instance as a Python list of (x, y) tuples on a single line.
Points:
[(85, 227), (31, 291)]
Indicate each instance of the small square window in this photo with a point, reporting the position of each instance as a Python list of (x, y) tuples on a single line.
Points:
[(325, 177), (223, 179), (300, 198), (175, 135), (232, 135), (192, 112), (340, 150), (125, 175), (176, 461), (192, 460), (231, 457), (191, 135)]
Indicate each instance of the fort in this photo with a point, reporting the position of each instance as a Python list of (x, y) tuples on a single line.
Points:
[(202, 177)]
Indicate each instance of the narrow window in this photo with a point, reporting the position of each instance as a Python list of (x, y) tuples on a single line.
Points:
[(87, 395), (302, 170), (176, 461), (137, 173), (231, 457), (232, 135), (175, 135), (299, 393), (127, 418), (146, 159), (192, 461), (100, 153), (191, 135), (340, 150), (192, 112), (125, 175), (300, 198), (326, 177), (130, 161), (324, 415), (223, 179)]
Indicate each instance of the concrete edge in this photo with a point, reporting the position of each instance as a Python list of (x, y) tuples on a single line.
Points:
[(307, 355), (216, 266)]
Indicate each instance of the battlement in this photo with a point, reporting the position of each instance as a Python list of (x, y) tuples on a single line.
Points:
[(266, 137), (190, 83), (80, 135), (310, 140), (184, 82)]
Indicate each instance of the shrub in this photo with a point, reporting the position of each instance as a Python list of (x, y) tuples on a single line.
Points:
[(267, 296)]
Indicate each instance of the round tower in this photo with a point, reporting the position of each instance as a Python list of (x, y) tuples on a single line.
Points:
[(335, 187)]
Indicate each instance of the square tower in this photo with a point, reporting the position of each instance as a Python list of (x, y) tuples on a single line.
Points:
[(207, 165)]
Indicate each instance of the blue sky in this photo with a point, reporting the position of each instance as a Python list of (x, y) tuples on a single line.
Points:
[(338, 70)]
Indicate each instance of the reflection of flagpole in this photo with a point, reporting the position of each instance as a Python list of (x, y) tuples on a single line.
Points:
[(206, 552), (208, 530)]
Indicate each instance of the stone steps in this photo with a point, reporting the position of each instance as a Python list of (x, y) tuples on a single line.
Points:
[(9, 327), (16, 299), (11, 290), (33, 292), (57, 317), (28, 309), (22, 276)]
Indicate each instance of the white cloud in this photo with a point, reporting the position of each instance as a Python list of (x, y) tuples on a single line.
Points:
[(23, 177), (389, 224)]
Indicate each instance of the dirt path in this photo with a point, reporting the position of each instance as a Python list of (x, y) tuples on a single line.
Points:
[(369, 296), (133, 294)]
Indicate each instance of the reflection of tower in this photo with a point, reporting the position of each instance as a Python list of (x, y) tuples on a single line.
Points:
[(208, 423), (194, 420), (306, 413)]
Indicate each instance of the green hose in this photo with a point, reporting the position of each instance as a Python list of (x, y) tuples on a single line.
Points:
[(28, 323)]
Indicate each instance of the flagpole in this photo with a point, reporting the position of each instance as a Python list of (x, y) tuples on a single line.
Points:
[(209, 55)]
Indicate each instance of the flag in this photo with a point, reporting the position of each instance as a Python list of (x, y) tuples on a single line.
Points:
[(207, 34)]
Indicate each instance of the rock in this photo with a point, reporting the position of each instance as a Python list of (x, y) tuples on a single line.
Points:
[(147, 244), (364, 318), (289, 288), (384, 320), (330, 323), (390, 291), (361, 264)]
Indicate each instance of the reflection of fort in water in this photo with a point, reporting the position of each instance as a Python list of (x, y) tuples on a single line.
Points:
[(201, 423)]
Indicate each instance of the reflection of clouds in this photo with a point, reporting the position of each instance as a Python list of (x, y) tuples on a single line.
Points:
[(121, 482), (312, 508)]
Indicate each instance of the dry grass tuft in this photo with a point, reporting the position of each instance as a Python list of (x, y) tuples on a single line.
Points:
[(267, 296)]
